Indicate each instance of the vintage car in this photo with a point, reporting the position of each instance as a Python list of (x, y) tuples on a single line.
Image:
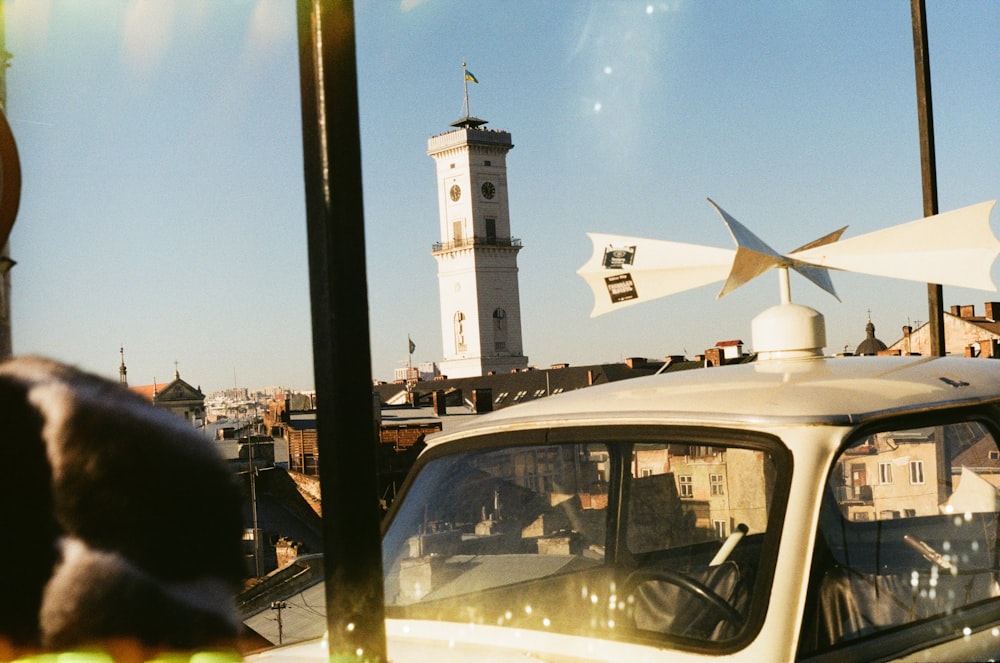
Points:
[(797, 507)]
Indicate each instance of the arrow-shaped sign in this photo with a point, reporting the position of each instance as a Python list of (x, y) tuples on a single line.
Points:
[(955, 248)]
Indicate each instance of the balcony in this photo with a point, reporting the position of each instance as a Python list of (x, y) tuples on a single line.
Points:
[(476, 242)]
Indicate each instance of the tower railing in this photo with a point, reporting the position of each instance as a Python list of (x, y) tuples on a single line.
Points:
[(466, 242)]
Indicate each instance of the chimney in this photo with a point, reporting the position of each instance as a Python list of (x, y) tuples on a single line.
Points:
[(992, 310), (713, 357), (988, 348), (482, 400), (590, 378), (907, 330), (964, 311), (440, 407), (635, 362)]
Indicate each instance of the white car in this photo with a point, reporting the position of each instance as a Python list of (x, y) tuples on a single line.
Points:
[(798, 507)]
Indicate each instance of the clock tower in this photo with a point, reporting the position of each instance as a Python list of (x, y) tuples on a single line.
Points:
[(477, 256)]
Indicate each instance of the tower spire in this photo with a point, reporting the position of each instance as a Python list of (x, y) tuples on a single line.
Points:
[(468, 122), (122, 371)]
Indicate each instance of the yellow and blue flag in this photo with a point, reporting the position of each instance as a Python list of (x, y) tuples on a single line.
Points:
[(469, 76)]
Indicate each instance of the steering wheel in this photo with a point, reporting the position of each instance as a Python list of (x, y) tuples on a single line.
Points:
[(718, 605)]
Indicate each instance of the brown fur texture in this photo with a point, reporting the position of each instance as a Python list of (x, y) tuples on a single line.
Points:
[(119, 520)]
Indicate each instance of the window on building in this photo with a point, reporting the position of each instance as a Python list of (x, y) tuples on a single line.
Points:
[(721, 529), (645, 472), (491, 231), (685, 483), (715, 481), (459, 323), (500, 329), (916, 471), (885, 473)]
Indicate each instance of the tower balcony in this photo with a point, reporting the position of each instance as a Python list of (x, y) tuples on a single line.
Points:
[(476, 242)]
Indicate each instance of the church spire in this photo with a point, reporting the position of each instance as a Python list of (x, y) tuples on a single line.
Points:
[(122, 371)]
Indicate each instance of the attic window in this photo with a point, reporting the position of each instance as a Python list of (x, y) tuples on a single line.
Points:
[(995, 455), (499, 399), (521, 394)]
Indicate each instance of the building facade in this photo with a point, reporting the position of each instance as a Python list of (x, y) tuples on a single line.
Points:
[(177, 396), (965, 333), (477, 256)]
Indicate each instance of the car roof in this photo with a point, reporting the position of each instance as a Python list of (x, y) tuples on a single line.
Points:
[(832, 391)]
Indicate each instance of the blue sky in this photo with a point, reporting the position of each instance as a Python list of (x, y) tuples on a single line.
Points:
[(162, 204)]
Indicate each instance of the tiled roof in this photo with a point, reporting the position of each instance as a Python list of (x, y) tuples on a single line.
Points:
[(512, 388), (147, 391)]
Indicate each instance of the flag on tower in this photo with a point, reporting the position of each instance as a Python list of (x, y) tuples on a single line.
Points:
[(412, 345), (469, 76)]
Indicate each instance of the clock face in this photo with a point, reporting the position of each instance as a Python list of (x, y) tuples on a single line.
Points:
[(489, 190), (455, 192)]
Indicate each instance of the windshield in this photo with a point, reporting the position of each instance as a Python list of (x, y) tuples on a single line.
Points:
[(610, 535)]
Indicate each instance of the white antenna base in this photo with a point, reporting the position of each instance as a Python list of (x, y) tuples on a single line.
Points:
[(788, 331)]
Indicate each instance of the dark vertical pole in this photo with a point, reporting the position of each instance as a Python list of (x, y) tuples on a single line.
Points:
[(928, 170), (341, 354), (10, 193)]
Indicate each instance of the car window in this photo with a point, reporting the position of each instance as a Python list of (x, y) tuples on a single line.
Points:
[(908, 531), (527, 536), (683, 494)]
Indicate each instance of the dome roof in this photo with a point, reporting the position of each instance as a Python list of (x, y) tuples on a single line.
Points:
[(871, 345)]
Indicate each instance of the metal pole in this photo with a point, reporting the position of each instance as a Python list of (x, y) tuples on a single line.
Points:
[(10, 195), (341, 354), (253, 502), (928, 170)]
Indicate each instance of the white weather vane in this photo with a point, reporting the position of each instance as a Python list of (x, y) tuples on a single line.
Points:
[(954, 248)]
